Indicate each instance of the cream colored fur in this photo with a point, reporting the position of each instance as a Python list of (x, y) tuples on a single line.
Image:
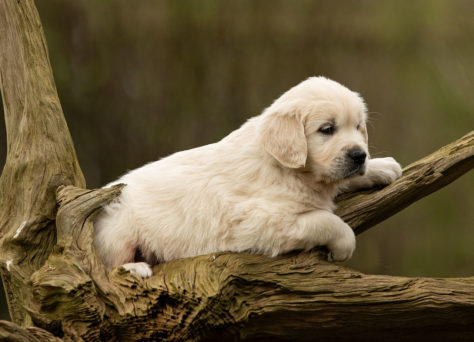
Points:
[(267, 188)]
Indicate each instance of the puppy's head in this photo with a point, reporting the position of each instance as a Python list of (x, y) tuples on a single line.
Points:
[(318, 126)]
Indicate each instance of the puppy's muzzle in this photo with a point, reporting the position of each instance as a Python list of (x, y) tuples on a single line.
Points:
[(355, 161)]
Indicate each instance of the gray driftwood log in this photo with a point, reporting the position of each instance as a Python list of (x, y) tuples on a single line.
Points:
[(58, 289)]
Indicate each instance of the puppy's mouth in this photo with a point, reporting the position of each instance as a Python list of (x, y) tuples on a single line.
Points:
[(340, 169), (345, 169), (355, 170)]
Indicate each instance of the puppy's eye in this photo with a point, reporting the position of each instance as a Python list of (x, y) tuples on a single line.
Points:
[(326, 130), (358, 126)]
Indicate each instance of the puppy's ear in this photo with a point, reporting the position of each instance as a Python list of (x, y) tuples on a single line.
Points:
[(282, 135)]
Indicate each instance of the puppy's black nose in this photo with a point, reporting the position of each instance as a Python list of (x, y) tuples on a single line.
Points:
[(357, 155)]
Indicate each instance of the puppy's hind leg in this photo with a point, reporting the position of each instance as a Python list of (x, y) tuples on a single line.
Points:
[(121, 252), (117, 246), (141, 269)]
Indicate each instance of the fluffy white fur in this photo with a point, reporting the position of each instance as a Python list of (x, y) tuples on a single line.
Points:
[(267, 188)]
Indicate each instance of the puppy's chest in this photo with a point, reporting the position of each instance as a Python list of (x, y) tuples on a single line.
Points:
[(314, 200)]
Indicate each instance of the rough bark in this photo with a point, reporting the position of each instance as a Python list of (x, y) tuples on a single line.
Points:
[(58, 288)]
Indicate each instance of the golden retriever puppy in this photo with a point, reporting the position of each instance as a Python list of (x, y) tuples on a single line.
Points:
[(266, 188)]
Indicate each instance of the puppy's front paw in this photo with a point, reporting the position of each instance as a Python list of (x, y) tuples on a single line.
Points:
[(342, 248), (141, 269), (383, 171)]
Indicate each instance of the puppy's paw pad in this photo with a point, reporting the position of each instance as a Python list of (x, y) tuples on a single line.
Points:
[(141, 269)]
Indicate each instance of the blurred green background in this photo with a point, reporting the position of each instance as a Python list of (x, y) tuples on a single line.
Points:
[(139, 80)]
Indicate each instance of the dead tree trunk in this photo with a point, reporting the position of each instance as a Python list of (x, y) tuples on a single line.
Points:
[(40, 153), (58, 289)]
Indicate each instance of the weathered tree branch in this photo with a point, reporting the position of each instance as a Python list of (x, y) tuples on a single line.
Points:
[(58, 288)]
